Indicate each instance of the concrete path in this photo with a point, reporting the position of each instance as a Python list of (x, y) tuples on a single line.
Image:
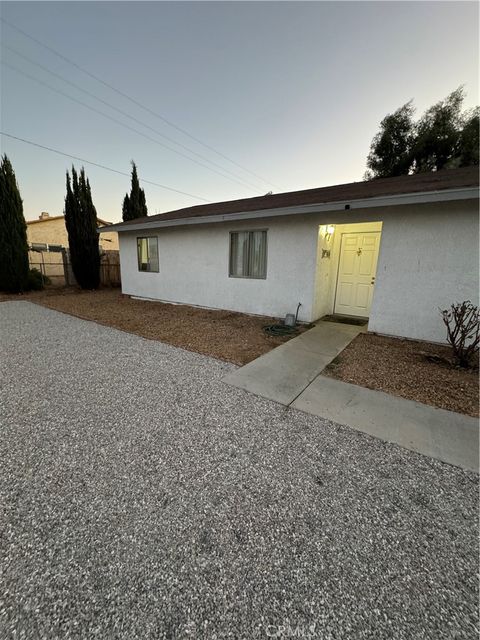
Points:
[(444, 435), (289, 374), (283, 373)]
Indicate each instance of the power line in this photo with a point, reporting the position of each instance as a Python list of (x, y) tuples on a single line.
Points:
[(134, 101), (124, 113), (101, 166), (122, 124)]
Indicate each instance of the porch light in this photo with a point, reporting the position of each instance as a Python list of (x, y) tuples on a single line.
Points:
[(329, 232)]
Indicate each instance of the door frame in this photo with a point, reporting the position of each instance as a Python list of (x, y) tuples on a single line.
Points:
[(337, 274)]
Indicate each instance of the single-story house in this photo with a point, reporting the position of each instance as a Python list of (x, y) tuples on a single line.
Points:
[(394, 250)]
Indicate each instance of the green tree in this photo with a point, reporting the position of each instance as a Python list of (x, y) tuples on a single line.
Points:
[(13, 233), (442, 138), (135, 205), (437, 134), (81, 223), (469, 142), (390, 151)]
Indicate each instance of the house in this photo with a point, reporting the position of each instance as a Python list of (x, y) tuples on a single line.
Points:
[(47, 240), (393, 250), (51, 230)]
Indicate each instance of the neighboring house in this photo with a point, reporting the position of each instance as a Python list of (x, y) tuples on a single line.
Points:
[(395, 250), (51, 230), (47, 240)]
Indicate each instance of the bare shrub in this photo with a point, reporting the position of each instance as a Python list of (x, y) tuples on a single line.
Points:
[(463, 331)]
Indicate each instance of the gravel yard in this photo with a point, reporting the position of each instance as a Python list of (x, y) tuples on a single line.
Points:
[(143, 498), (400, 367), (233, 337)]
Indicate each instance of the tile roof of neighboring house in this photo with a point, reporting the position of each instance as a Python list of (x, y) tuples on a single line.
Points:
[(418, 183), (102, 222)]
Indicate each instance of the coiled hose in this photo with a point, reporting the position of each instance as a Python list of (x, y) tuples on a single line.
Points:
[(282, 329), (279, 330)]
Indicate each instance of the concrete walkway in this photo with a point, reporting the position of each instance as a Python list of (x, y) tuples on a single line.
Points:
[(444, 435), (283, 373), (290, 375)]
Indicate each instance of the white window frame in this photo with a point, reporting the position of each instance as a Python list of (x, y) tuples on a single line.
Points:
[(247, 277), (148, 270)]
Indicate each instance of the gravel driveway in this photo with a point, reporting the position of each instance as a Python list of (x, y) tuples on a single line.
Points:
[(143, 498)]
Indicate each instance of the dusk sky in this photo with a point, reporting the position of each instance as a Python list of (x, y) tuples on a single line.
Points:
[(293, 92)]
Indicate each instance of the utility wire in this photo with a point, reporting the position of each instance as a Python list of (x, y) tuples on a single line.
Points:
[(134, 101), (122, 124), (127, 115), (101, 166)]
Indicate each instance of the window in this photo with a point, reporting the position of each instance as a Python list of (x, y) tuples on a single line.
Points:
[(39, 246), (147, 252), (57, 248), (248, 254)]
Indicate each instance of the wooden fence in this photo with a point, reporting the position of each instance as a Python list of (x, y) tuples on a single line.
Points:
[(56, 266)]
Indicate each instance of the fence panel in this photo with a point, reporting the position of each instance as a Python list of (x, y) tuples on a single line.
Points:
[(110, 268), (58, 269)]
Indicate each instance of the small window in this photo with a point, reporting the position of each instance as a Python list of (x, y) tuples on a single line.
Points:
[(38, 246), (248, 254), (56, 248), (147, 252)]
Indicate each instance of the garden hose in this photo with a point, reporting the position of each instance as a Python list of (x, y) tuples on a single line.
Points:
[(279, 330), (283, 329)]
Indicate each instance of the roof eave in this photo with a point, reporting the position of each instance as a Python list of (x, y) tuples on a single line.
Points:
[(424, 197)]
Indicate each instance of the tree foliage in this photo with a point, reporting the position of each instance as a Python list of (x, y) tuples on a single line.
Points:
[(469, 142), (390, 153), (13, 233), (436, 141), (134, 205), (81, 223), (442, 138)]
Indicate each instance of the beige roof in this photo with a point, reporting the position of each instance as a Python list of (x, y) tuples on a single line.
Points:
[(102, 222)]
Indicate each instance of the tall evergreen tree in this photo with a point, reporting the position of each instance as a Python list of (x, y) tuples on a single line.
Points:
[(135, 205), (81, 223), (13, 233)]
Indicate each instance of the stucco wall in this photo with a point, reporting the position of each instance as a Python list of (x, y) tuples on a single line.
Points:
[(428, 259), (53, 231), (193, 268)]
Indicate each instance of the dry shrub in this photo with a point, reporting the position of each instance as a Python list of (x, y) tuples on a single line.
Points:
[(463, 331)]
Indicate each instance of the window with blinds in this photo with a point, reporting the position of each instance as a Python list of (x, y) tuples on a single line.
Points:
[(147, 254), (248, 254)]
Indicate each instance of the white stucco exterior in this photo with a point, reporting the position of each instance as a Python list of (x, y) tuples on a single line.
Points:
[(194, 268), (428, 259)]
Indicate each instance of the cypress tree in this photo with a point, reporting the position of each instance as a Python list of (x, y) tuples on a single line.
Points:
[(81, 223), (135, 205), (126, 208), (13, 233)]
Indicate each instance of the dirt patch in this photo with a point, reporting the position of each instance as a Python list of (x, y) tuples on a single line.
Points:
[(402, 368), (230, 336)]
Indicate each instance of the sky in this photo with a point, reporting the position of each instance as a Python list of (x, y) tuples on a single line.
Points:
[(291, 92)]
